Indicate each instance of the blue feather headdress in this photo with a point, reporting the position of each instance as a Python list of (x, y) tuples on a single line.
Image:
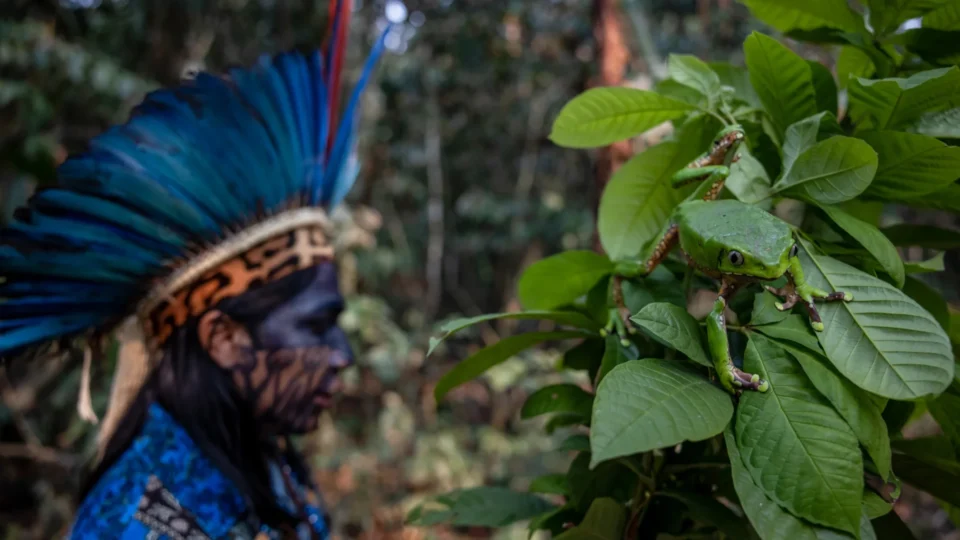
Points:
[(192, 166)]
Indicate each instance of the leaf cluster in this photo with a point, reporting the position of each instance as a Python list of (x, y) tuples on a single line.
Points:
[(821, 454)]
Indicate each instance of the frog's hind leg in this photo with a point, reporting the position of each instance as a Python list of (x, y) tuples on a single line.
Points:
[(733, 379), (619, 320)]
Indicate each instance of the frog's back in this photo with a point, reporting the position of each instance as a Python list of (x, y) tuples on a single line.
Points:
[(732, 224)]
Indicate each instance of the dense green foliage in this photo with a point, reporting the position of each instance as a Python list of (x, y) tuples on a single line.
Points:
[(661, 447)]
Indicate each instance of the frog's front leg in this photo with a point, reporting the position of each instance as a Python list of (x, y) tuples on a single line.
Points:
[(619, 318), (732, 378), (798, 289)]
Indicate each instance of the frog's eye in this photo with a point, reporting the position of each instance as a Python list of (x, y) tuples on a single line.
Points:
[(735, 258), (795, 250)]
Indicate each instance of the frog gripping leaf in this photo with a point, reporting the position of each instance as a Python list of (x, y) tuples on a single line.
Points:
[(732, 242)]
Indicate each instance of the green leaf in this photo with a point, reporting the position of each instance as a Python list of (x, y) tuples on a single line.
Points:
[(882, 341), (795, 329), (861, 413), (795, 445), (925, 236), (803, 134), (765, 310), (922, 468), (692, 72), (945, 409), (872, 240), (943, 124), (653, 403), (824, 87), (673, 89), (929, 299), (601, 116), (479, 507), (911, 165), (610, 479), (488, 357), (585, 356), (575, 443), (614, 354), (782, 79), (931, 265), (562, 278), (946, 17), (769, 519), (832, 171), (785, 15), (853, 62), (738, 78), (562, 420), (946, 199), (568, 318), (893, 103), (605, 520), (708, 510), (673, 327), (748, 180), (887, 15), (550, 483), (558, 398), (874, 506), (638, 200)]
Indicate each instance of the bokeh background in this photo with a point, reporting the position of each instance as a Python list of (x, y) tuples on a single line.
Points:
[(460, 190)]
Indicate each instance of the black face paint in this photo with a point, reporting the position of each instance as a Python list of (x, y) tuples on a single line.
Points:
[(289, 366)]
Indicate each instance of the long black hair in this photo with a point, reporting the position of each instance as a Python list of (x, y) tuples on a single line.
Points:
[(202, 397)]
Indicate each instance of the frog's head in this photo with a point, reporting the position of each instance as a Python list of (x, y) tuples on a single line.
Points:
[(765, 259), (727, 142)]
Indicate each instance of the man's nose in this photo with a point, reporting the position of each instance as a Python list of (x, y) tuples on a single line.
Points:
[(343, 353)]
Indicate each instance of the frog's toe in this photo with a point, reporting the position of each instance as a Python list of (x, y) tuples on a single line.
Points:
[(779, 306), (763, 387), (847, 297), (817, 325)]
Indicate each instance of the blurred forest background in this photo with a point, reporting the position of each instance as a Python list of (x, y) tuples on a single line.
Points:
[(460, 190)]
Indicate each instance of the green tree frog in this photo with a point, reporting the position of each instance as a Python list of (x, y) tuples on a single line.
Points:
[(733, 242)]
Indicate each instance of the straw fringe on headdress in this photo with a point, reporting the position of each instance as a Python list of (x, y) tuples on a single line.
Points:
[(198, 174)]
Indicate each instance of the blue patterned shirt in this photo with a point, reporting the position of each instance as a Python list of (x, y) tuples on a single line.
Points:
[(164, 487)]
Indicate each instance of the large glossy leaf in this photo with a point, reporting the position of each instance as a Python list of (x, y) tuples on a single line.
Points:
[(832, 171), (588, 482), (562, 278), (568, 318), (896, 102), (911, 165), (945, 17), (653, 403), (926, 236), (488, 357), (769, 519), (794, 329), (550, 483), (945, 199), (479, 507), (782, 79), (853, 62), (672, 326), (605, 520), (883, 341), (933, 264), (738, 78), (861, 413), (694, 73), (638, 200), (794, 443), (887, 15), (787, 15), (765, 310), (614, 354), (601, 116), (872, 240)]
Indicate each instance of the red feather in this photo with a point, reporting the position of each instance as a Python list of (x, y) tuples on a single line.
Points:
[(340, 12)]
